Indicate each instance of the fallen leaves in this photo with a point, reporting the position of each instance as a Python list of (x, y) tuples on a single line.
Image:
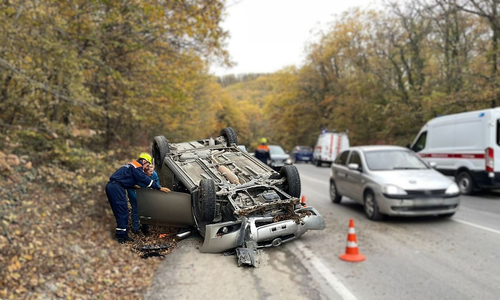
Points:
[(56, 240)]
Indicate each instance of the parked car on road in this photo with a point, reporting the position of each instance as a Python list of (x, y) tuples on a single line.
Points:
[(464, 146), (278, 157), (233, 199), (394, 181), (329, 146), (301, 153)]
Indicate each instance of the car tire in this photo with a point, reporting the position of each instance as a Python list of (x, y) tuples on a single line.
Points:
[(291, 186), (230, 135), (465, 183), (206, 200), (159, 150), (318, 163), (334, 194), (371, 207)]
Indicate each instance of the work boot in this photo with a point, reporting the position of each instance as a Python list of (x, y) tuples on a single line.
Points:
[(123, 238), (136, 231)]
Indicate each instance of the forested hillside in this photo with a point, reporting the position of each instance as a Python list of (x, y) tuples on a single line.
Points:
[(85, 85), (382, 74)]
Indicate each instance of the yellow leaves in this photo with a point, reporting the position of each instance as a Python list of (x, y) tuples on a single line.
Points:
[(33, 280), (15, 264)]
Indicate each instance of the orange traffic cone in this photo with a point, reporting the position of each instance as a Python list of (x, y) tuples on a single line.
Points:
[(303, 201), (351, 250)]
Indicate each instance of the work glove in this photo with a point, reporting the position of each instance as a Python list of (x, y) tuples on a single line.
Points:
[(165, 190)]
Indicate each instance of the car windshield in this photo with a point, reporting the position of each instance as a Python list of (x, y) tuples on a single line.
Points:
[(393, 160), (304, 149), (276, 150)]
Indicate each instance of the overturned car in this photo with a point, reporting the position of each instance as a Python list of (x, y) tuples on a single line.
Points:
[(234, 200)]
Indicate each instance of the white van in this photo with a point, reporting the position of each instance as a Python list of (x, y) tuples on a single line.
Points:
[(464, 146), (328, 146)]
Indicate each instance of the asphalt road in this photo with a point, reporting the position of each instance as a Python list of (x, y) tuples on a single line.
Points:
[(406, 258)]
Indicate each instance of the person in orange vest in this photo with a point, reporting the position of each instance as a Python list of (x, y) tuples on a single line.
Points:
[(127, 177), (262, 151), (132, 196)]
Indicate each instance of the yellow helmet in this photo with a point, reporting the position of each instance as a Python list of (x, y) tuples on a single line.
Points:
[(263, 140), (146, 156)]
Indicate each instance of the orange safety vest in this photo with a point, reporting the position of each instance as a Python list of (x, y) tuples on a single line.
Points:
[(262, 148)]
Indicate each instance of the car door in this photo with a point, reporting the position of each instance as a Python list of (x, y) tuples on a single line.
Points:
[(339, 170), (354, 178), (166, 209)]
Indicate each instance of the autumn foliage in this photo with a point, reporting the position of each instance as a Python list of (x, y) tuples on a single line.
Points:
[(85, 85), (381, 74)]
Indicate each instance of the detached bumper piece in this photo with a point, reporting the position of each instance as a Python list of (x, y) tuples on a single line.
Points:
[(249, 234), (247, 252)]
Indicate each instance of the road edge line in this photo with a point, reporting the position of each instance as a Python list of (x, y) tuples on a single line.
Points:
[(331, 279)]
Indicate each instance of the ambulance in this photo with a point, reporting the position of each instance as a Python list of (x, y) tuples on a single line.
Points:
[(465, 146), (328, 146)]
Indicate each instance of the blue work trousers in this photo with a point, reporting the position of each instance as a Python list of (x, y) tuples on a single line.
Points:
[(132, 197), (118, 201)]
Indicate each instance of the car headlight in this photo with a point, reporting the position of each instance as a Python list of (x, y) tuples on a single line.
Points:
[(393, 190), (452, 189)]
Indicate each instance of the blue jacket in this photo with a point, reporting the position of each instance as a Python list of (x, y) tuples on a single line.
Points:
[(132, 174), (155, 178)]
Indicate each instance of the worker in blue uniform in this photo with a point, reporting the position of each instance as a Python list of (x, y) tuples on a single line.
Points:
[(262, 151), (132, 196), (127, 177)]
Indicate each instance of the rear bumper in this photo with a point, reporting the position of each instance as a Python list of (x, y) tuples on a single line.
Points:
[(303, 158), (483, 180), (271, 234), (417, 206)]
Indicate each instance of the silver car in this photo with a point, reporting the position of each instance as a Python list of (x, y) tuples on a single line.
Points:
[(278, 157), (233, 199), (393, 181)]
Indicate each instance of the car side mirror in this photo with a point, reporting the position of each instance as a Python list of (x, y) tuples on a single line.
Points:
[(354, 167), (433, 164)]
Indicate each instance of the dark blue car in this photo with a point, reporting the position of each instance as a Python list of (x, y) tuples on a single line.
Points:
[(301, 153)]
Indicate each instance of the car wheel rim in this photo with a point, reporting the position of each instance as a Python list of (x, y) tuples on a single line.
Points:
[(369, 205), (464, 184)]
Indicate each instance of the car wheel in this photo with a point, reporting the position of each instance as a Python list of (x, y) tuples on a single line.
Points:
[(371, 207), (318, 163), (230, 135), (291, 186), (206, 200), (159, 151), (465, 183), (334, 194)]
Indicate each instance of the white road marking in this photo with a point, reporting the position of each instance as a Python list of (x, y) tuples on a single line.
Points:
[(477, 226), (331, 279), (313, 179)]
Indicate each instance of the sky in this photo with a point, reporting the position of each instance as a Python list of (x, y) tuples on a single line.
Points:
[(268, 35)]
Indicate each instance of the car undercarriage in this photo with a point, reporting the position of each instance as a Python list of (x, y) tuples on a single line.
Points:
[(236, 201)]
